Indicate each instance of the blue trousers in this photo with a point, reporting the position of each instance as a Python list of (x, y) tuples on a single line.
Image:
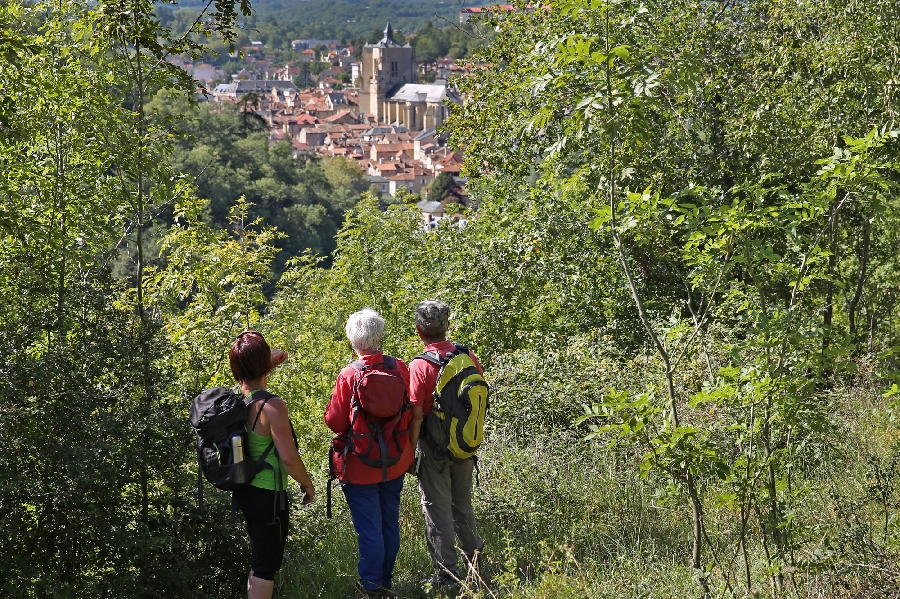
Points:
[(375, 509)]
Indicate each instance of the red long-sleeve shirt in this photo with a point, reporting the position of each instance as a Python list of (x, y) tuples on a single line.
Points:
[(337, 418)]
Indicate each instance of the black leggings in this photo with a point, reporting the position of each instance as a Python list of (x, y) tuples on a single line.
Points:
[(267, 527)]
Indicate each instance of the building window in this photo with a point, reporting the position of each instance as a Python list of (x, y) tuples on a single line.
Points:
[(395, 69)]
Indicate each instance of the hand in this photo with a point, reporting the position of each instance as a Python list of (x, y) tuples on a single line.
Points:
[(309, 493), (412, 468), (278, 357)]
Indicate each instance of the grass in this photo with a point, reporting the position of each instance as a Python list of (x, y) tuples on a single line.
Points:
[(550, 522), (563, 518)]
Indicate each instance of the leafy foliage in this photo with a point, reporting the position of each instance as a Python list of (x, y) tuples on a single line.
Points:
[(687, 232), (95, 490), (738, 252)]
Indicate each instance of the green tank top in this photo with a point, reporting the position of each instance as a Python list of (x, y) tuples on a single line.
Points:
[(266, 478)]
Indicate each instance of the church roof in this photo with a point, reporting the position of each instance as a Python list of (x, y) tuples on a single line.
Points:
[(375, 131), (388, 40), (417, 92)]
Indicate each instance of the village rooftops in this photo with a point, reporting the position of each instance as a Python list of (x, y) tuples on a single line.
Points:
[(337, 98), (376, 131), (391, 148), (304, 44), (430, 207), (238, 88), (343, 117), (303, 119)]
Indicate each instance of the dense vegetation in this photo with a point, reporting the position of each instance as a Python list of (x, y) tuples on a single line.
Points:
[(681, 279), (225, 151)]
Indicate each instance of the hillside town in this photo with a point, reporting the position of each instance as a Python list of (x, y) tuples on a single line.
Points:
[(372, 111)]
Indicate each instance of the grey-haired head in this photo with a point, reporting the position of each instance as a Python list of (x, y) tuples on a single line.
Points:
[(364, 330), (433, 318)]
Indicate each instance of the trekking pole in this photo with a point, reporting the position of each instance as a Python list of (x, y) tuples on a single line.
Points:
[(330, 479), (328, 499)]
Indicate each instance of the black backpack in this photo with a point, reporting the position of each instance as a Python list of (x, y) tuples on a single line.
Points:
[(217, 416)]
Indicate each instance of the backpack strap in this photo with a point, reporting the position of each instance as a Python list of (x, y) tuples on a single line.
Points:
[(359, 367), (331, 477), (280, 493), (199, 481), (429, 356), (477, 471), (265, 400), (378, 435)]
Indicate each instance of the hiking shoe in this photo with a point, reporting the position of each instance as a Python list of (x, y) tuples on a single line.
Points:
[(442, 581), (386, 592), (364, 593)]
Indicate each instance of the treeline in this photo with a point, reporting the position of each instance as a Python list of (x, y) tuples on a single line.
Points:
[(686, 250), (277, 23)]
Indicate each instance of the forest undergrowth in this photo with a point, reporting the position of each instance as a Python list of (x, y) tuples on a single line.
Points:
[(564, 517)]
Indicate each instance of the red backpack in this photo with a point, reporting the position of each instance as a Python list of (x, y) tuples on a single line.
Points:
[(379, 417)]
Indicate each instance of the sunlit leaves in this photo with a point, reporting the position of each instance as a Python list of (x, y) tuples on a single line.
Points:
[(211, 286)]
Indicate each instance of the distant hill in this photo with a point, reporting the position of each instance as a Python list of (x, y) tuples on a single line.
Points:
[(277, 22)]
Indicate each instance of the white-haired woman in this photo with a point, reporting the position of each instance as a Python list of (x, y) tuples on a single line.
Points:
[(370, 412)]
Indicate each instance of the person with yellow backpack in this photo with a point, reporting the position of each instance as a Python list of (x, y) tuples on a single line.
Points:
[(449, 398)]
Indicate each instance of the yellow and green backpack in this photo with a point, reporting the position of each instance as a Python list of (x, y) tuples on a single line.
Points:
[(456, 421)]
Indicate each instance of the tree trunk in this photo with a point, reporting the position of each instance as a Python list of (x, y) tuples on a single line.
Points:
[(861, 274), (146, 383), (828, 313)]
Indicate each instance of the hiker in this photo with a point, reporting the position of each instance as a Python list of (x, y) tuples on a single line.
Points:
[(445, 480), (264, 503), (370, 412)]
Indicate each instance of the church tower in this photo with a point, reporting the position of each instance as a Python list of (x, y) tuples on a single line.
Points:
[(386, 66)]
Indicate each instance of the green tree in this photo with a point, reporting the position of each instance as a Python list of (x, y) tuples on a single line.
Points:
[(97, 503), (210, 289), (442, 186), (586, 93), (305, 196)]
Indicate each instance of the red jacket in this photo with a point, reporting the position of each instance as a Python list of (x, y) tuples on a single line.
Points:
[(423, 375), (337, 417)]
